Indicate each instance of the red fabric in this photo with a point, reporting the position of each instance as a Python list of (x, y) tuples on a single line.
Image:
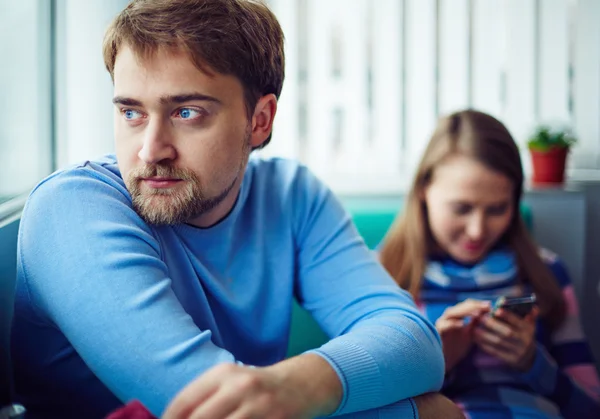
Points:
[(132, 410)]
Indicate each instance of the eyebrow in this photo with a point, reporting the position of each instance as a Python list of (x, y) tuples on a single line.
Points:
[(470, 204), (166, 100)]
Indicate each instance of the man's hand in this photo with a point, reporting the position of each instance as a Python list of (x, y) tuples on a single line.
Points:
[(435, 406), (302, 387), (509, 338), (457, 338)]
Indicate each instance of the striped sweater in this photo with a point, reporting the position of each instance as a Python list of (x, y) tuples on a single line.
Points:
[(562, 382)]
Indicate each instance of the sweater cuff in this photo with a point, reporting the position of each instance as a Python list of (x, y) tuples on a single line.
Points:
[(358, 373), (541, 377), (404, 409)]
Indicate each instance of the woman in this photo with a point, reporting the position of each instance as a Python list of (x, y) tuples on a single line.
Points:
[(459, 245)]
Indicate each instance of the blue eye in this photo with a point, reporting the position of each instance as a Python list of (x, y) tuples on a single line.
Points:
[(131, 115), (187, 113)]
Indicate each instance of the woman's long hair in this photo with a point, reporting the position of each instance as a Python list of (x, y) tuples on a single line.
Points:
[(409, 241)]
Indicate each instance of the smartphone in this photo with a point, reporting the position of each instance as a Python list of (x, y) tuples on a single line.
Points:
[(521, 306)]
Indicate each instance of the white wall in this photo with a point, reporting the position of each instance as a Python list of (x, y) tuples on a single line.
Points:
[(84, 88), (25, 104)]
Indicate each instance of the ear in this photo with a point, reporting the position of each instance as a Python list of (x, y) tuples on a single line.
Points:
[(262, 120)]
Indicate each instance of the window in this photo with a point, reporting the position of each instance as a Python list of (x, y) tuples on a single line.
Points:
[(25, 96), (366, 80)]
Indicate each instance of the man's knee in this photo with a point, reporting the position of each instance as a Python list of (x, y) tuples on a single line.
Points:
[(435, 406)]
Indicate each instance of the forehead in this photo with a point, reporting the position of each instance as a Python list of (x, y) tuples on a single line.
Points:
[(464, 178), (168, 72)]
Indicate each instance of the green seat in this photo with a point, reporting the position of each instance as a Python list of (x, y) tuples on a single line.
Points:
[(372, 217)]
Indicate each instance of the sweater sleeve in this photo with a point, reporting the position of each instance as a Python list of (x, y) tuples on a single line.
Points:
[(383, 349), (92, 268), (565, 372)]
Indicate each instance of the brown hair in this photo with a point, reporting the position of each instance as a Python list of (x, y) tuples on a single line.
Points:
[(241, 38), (409, 242)]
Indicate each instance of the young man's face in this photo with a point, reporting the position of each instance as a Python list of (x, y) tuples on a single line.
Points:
[(182, 137)]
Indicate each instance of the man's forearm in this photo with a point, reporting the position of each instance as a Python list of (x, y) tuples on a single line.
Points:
[(435, 406), (427, 406), (315, 380), (312, 373)]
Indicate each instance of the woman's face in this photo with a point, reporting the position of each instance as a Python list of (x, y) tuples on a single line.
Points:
[(469, 207)]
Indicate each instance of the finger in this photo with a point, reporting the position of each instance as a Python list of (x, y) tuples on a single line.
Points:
[(518, 323), (194, 394), (483, 336), (467, 308), (500, 328), (444, 325), (477, 317), (246, 415), (496, 352), (259, 408), (532, 317), (219, 405)]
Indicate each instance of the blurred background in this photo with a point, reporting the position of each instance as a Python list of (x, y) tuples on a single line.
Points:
[(366, 80)]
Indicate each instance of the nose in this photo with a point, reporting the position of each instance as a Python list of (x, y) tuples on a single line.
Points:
[(157, 143), (476, 227)]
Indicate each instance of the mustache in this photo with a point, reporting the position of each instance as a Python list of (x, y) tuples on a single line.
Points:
[(161, 170)]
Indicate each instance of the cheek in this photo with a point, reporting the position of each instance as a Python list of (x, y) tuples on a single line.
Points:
[(127, 154), (125, 165), (215, 157), (123, 148), (218, 145), (126, 140), (499, 225), (444, 225), (208, 158)]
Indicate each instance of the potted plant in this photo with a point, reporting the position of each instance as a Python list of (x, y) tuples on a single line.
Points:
[(549, 149)]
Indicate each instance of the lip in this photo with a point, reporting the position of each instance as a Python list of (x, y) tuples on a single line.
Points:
[(473, 247), (160, 183)]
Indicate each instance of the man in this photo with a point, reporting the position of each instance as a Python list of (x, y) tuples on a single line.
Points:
[(180, 258)]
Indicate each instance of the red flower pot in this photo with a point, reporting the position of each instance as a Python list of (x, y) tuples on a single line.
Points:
[(549, 166)]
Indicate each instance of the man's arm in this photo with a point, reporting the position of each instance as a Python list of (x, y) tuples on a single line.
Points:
[(92, 268), (382, 348), (301, 387), (436, 406), (326, 393)]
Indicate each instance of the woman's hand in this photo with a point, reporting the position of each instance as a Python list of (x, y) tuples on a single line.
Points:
[(509, 337), (456, 334)]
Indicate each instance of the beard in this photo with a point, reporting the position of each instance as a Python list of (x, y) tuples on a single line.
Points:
[(183, 202)]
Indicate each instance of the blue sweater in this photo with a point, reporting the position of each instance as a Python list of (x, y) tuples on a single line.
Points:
[(110, 309)]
